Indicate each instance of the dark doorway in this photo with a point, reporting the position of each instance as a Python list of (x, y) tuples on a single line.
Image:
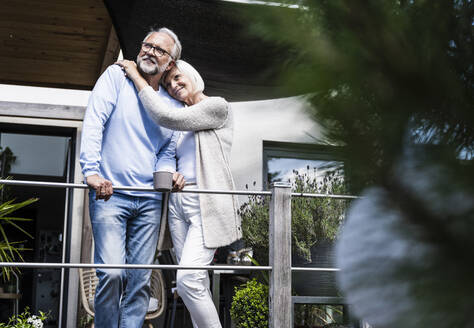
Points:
[(43, 153)]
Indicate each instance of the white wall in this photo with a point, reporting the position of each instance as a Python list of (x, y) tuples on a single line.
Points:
[(40, 95), (283, 120)]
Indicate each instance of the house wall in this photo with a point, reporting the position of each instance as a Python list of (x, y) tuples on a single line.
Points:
[(283, 120)]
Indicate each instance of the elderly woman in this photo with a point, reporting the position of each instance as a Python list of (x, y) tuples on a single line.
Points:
[(199, 223)]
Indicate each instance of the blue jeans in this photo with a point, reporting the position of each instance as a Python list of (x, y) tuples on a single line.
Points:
[(125, 230)]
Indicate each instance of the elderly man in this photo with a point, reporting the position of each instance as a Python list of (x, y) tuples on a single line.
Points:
[(121, 145)]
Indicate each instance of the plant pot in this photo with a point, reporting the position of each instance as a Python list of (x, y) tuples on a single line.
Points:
[(316, 283)]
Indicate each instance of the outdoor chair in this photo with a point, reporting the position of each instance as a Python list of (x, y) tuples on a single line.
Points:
[(88, 281)]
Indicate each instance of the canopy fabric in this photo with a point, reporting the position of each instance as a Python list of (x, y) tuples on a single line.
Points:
[(214, 38)]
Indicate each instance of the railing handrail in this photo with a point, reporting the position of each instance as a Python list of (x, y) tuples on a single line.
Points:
[(132, 266), (156, 266), (150, 189)]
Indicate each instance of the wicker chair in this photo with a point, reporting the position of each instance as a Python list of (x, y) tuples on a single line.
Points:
[(88, 282)]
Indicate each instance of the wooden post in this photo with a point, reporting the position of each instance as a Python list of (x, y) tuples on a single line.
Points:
[(280, 256)]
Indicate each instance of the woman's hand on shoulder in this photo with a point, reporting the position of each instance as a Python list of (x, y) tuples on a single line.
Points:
[(129, 67)]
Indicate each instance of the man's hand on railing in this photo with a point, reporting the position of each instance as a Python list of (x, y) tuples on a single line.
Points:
[(103, 187), (178, 181)]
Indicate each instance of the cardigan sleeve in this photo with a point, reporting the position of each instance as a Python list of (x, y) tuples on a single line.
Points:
[(210, 113)]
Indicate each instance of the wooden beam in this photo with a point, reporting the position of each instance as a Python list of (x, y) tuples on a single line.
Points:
[(47, 72), (112, 50), (86, 245), (63, 112), (280, 256), (55, 43), (55, 12)]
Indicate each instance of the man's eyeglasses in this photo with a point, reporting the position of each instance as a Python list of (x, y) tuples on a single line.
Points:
[(157, 51)]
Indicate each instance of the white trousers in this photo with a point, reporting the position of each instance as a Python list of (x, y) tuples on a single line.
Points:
[(185, 223)]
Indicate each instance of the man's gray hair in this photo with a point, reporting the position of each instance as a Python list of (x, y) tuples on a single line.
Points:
[(176, 51)]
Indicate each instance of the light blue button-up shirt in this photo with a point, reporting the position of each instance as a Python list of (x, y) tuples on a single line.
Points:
[(120, 142)]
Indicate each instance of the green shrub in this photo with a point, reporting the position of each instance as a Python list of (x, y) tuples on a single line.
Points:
[(312, 219), (250, 305), (11, 251)]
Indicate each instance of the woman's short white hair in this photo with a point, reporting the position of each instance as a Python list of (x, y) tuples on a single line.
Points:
[(192, 74)]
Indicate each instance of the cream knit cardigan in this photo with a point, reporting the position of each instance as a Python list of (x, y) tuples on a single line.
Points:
[(211, 120)]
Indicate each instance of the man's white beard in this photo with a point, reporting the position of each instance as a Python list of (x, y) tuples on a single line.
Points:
[(151, 69)]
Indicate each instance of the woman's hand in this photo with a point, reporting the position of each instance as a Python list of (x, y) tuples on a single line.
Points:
[(130, 69), (178, 182)]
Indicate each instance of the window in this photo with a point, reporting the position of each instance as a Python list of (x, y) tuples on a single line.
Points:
[(42, 153), (281, 159), (37, 154)]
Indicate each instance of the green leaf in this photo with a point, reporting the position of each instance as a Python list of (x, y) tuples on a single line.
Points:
[(21, 229), (9, 252)]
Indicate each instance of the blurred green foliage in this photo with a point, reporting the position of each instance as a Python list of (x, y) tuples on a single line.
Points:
[(391, 81), (378, 73)]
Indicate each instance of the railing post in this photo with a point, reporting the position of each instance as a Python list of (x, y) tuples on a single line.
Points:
[(280, 256)]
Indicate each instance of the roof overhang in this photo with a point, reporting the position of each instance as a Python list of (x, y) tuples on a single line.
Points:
[(55, 43), (215, 40), (67, 44)]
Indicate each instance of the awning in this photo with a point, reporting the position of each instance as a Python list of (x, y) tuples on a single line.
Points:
[(214, 38)]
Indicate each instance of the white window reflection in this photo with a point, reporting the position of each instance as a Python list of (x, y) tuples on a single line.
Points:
[(282, 169), (36, 154), (287, 162)]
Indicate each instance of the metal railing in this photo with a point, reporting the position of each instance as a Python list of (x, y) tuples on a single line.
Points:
[(197, 191), (280, 299)]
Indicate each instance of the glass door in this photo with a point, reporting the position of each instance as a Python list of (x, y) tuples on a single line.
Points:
[(40, 153)]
